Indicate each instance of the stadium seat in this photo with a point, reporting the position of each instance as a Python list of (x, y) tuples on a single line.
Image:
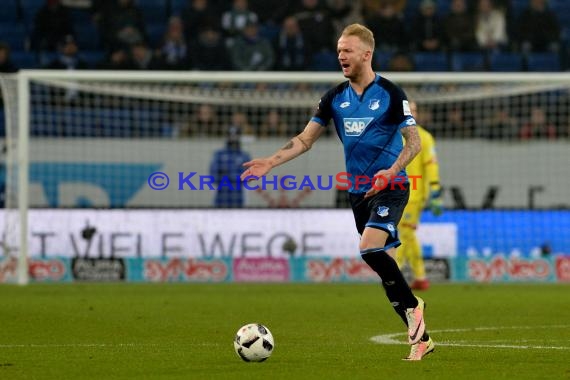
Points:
[(381, 60), (13, 33), (87, 36), (9, 11), (325, 61), (563, 15), (80, 17), (30, 8), (431, 61), (503, 61), (92, 57), (471, 61), (543, 62), (154, 11), (155, 33), (271, 32), (24, 59), (178, 6), (115, 122)]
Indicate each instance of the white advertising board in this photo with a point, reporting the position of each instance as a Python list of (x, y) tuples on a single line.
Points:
[(207, 233)]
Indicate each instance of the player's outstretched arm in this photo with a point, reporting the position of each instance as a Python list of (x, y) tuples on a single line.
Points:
[(295, 147)]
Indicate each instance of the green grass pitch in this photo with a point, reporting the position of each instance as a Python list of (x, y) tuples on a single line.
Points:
[(322, 331)]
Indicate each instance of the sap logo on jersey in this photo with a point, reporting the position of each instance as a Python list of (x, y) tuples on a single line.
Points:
[(355, 126)]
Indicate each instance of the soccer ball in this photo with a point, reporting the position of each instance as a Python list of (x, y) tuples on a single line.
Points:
[(254, 342)]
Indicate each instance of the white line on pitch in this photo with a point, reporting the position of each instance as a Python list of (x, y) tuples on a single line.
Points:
[(391, 338)]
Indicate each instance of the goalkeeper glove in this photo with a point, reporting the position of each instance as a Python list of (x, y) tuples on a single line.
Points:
[(435, 202)]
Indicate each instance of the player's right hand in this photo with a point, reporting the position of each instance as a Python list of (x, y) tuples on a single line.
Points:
[(257, 167)]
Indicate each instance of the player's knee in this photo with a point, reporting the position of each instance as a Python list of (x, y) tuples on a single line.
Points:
[(369, 246), (373, 256)]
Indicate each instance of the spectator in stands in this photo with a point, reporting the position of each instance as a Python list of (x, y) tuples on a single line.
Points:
[(293, 54), (427, 32), (240, 121), (209, 51), (459, 28), (374, 6), (122, 25), (343, 13), (507, 7), (538, 28), (67, 59), (142, 58), (270, 12), (389, 25), (203, 122), (316, 25), (501, 126), (174, 50), (51, 24), (68, 56), (198, 16), (6, 64), (251, 52), (273, 125), (537, 126), (490, 27), (235, 20), (226, 167), (401, 62), (117, 59), (456, 124)]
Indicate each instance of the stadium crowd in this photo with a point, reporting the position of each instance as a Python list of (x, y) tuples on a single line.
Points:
[(297, 35), (422, 35)]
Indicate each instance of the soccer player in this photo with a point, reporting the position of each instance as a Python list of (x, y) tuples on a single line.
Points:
[(427, 191), (371, 114)]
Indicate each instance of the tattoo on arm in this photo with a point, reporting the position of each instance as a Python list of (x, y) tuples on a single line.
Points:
[(411, 149), (289, 145), (304, 143)]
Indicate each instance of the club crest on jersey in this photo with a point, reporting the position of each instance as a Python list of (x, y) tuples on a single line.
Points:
[(383, 211), (344, 104), (354, 126), (374, 104)]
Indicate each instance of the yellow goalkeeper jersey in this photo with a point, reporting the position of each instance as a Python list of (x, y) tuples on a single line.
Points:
[(425, 165)]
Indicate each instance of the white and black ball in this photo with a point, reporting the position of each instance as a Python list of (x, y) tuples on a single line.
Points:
[(254, 342)]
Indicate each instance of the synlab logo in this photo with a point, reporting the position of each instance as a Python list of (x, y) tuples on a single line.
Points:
[(65, 184), (355, 126)]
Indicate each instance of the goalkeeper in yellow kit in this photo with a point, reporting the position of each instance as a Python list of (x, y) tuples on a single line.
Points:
[(426, 193)]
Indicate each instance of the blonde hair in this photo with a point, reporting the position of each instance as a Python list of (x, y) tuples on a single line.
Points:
[(363, 33)]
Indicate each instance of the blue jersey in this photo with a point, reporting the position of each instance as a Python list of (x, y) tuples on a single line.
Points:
[(368, 126)]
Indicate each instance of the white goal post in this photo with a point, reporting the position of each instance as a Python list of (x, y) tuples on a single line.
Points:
[(67, 128)]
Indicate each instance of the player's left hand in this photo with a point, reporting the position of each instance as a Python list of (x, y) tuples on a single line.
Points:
[(383, 177), (436, 203), (257, 167)]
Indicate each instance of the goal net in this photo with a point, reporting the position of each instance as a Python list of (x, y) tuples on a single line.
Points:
[(132, 140)]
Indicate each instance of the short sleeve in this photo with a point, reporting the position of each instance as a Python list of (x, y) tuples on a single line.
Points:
[(324, 112), (399, 113)]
